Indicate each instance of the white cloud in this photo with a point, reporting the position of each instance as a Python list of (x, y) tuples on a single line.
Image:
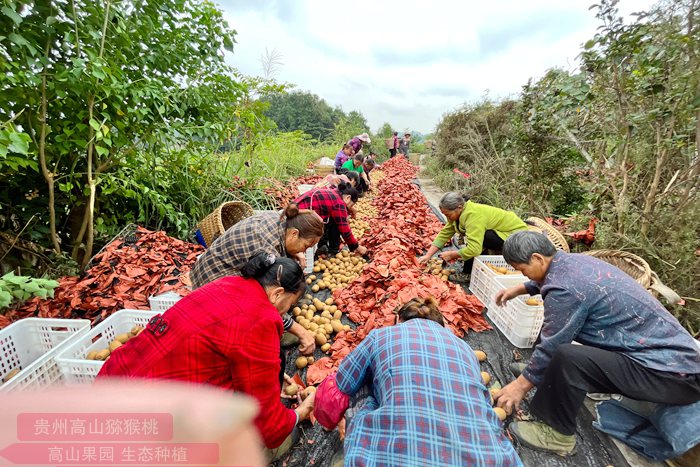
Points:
[(408, 62)]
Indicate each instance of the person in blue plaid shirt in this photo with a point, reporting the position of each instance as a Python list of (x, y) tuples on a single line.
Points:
[(428, 404)]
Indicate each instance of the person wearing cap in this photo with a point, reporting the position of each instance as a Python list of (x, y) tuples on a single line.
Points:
[(405, 144), (357, 142)]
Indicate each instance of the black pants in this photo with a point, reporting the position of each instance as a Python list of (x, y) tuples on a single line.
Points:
[(392, 152), (491, 242), (330, 237), (577, 369)]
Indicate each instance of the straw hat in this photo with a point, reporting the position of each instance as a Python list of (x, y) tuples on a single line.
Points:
[(364, 137)]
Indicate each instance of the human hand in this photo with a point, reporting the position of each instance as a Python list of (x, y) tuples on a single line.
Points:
[(504, 295), (301, 259), (288, 381), (306, 407), (449, 256), (361, 251), (307, 343), (341, 429), (512, 394)]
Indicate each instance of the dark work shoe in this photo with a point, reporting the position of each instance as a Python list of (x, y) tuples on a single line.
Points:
[(517, 368)]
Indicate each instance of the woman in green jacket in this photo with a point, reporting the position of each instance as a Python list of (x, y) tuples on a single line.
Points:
[(483, 227)]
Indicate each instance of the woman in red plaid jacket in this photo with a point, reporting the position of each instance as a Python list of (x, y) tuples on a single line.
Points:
[(225, 334)]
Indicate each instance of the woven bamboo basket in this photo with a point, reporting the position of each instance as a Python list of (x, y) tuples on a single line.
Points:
[(639, 270), (389, 143), (629, 263), (540, 225), (223, 217)]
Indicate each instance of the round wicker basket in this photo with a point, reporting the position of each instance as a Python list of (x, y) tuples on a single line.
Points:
[(639, 270), (540, 225), (223, 217), (630, 263)]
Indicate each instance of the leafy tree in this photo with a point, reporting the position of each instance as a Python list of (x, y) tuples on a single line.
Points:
[(618, 140), (385, 131), (87, 87), (303, 111)]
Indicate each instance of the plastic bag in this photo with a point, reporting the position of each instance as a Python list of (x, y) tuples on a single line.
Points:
[(330, 403)]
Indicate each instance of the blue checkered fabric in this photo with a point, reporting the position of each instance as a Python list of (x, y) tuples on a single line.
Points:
[(428, 404)]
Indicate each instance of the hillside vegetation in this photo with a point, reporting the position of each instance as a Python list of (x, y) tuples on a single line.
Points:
[(615, 139)]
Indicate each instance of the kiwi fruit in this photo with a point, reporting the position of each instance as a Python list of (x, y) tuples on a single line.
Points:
[(291, 389), (500, 413), (11, 374), (301, 362)]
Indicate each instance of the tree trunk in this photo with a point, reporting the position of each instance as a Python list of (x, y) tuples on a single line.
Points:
[(91, 160), (48, 176), (661, 157)]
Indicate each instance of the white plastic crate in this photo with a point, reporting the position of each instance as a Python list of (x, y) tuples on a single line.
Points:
[(482, 283), (31, 344), (71, 359), (518, 321), (310, 252), (164, 301)]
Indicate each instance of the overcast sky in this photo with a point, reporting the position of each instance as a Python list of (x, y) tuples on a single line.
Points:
[(408, 62)]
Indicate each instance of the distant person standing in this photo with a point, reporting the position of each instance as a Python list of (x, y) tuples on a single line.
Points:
[(357, 142), (405, 144), (394, 144)]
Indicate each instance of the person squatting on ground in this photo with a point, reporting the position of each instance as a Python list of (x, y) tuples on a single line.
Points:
[(226, 334), (290, 232), (483, 227), (343, 156), (358, 164), (630, 345), (365, 183), (332, 205), (427, 403)]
